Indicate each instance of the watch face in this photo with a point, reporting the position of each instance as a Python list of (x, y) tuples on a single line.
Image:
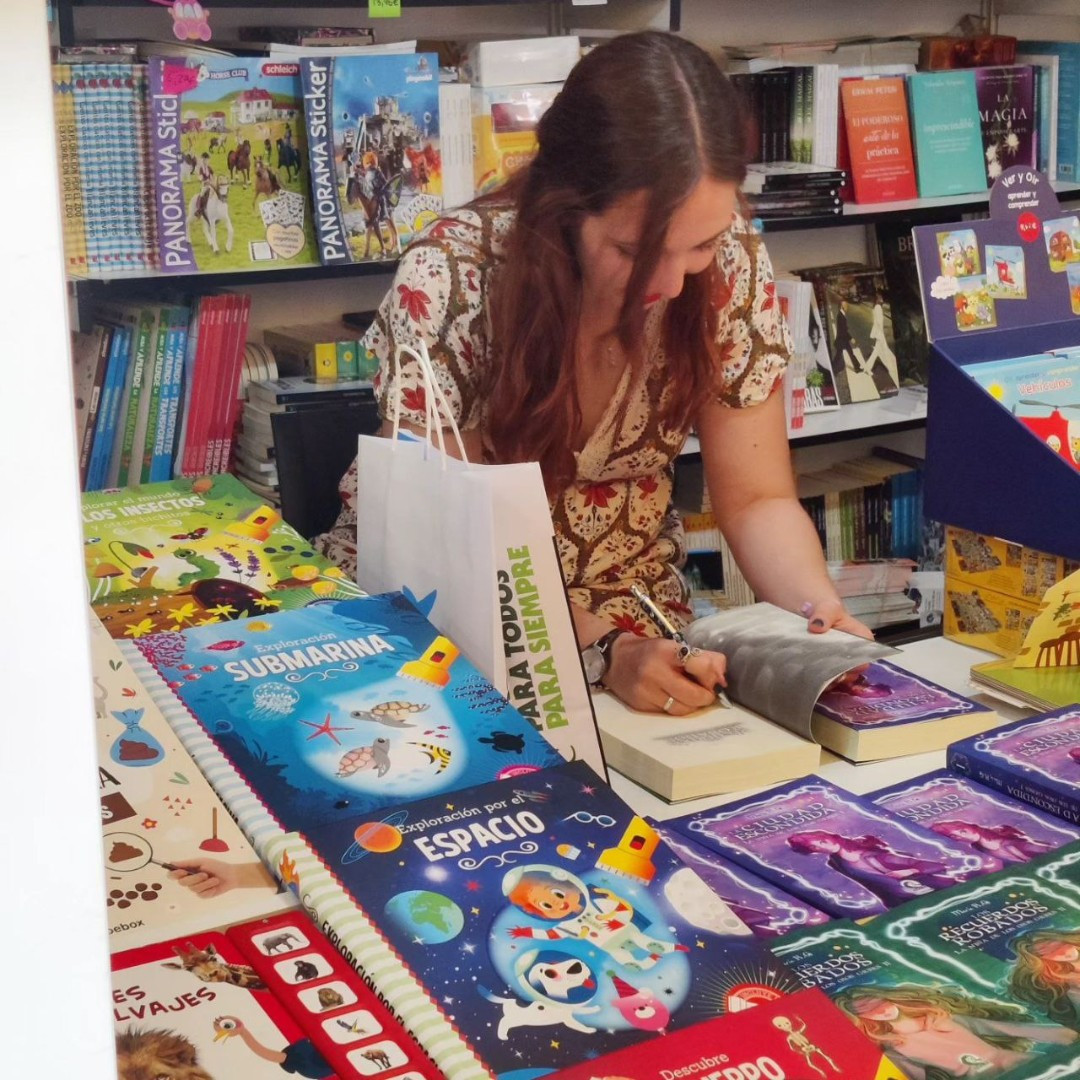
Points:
[(595, 664)]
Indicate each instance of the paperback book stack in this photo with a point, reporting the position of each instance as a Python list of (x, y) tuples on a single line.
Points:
[(794, 191), (100, 99)]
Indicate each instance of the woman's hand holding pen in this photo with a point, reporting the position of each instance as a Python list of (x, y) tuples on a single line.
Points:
[(646, 674)]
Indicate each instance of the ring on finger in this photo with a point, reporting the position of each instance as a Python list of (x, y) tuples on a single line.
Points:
[(685, 651), (667, 704)]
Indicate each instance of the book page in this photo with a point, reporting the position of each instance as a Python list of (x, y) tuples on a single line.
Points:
[(775, 666)]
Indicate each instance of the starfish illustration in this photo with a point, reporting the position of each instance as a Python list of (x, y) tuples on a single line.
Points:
[(325, 728)]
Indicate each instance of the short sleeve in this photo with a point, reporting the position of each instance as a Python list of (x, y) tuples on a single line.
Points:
[(753, 337), (437, 297)]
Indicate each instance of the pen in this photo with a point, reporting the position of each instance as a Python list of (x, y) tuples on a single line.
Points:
[(672, 632)]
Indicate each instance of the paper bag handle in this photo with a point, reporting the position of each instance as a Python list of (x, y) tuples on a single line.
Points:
[(438, 413)]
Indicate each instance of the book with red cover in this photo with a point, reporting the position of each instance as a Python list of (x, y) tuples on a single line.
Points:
[(799, 1036), (879, 139)]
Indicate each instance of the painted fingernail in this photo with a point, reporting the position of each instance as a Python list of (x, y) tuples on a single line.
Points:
[(806, 608), (818, 623)]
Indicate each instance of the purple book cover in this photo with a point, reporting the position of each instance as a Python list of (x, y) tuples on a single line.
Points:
[(1036, 760), (999, 829), (768, 911), (1006, 98), (831, 848), (884, 695)]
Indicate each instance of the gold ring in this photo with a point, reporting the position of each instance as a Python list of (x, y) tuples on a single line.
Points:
[(667, 704)]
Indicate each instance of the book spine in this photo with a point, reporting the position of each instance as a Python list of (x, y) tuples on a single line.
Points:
[(94, 406), (141, 353), (222, 359), (333, 238), (171, 381), (231, 386), (999, 777), (174, 248), (153, 409), (99, 457), (67, 147)]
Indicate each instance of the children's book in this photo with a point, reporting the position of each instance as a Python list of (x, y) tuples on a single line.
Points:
[(767, 910), (801, 1035), (831, 848), (931, 1018), (373, 137), (547, 921), (884, 711), (1007, 116), (1042, 688), (344, 708), (175, 861), (946, 132), (1015, 933), (879, 139), (350, 1027), (196, 551), (229, 164), (1001, 830), (712, 751), (1035, 760)]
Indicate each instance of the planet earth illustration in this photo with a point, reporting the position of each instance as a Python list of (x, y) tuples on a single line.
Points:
[(428, 916)]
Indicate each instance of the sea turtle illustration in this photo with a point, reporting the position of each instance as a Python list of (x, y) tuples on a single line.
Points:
[(390, 713), (376, 756), (505, 743)]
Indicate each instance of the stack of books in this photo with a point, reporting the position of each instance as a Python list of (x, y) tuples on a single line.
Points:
[(789, 190)]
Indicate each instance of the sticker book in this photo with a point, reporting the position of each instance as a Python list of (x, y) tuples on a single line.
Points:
[(229, 163), (1036, 760), (884, 711), (196, 551), (345, 707), (1001, 830), (547, 921), (831, 848), (164, 830), (373, 138), (931, 1019)]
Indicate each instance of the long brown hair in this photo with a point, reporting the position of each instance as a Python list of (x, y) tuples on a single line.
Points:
[(1042, 982), (646, 112)]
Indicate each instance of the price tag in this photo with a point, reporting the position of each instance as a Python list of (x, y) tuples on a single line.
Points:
[(384, 9)]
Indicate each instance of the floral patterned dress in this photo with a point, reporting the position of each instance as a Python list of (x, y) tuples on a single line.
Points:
[(615, 524)]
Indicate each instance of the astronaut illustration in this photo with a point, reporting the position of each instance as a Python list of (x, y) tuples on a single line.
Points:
[(597, 915)]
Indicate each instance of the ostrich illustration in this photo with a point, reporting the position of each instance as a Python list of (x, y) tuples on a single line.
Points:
[(300, 1058)]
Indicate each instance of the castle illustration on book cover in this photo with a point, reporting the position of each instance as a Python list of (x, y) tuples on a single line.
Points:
[(227, 132), (373, 137), (345, 707), (547, 921), (196, 551)]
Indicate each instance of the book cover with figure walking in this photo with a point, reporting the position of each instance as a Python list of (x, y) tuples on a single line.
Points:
[(548, 922), (373, 130), (229, 163)]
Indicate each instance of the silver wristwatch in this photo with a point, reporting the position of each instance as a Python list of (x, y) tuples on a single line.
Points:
[(596, 658)]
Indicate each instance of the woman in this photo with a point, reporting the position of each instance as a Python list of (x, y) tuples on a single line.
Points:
[(1004, 842), (1047, 973), (941, 1033), (892, 876), (586, 316)]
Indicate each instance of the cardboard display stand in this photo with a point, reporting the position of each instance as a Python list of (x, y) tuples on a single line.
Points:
[(992, 289)]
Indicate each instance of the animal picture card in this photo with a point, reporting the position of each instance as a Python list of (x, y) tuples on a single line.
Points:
[(196, 551), (833, 849), (931, 1018), (1062, 236), (229, 141), (1002, 830), (175, 861), (345, 1019), (958, 253), (1005, 276), (547, 921), (974, 303), (193, 1006), (344, 708)]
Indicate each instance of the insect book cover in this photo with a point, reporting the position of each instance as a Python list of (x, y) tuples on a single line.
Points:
[(1000, 829), (836, 850), (931, 1018), (229, 161), (344, 708), (546, 920), (373, 139), (196, 551), (1036, 760)]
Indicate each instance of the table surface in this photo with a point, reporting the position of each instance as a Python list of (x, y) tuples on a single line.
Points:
[(945, 662)]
